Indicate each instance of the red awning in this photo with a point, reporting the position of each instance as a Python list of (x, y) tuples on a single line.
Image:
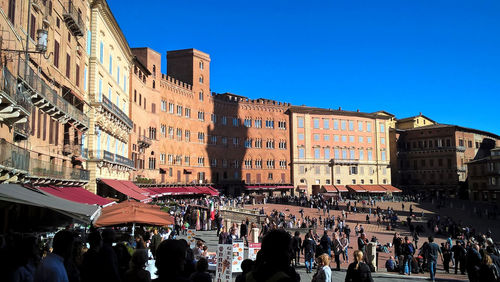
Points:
[(280, 187), (207, 191), (341, 188), (330, 189), (391, 189), (119, 186), (374, 188), (76, 194), (356, 188)]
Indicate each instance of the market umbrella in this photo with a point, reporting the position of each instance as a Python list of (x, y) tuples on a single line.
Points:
[(133, 212)]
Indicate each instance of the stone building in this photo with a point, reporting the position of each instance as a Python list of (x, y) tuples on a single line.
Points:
[(43, 92), (432, 158), (109, 73), (336, 147), (484, 178)]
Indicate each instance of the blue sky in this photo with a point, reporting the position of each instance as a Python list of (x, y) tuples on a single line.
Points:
[(441, 58)]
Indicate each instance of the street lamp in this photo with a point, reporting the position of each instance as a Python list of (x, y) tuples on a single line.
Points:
[(41, 45)]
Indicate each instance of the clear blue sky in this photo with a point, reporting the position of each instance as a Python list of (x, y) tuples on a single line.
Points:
[(441, 58)]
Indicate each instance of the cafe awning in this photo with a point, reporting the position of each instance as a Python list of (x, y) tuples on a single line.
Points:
[(356, 188), (330, 189), (341, 188), (391, 189), (76, 194), (374, 188), (133, 212), (30, 196), (125, 188)]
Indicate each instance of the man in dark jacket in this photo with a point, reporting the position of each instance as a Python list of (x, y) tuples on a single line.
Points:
[(459, 253), (408, 251), (244, 232), (155, 242), (308, 250), (473, 263), (326, 243), (296, 246)]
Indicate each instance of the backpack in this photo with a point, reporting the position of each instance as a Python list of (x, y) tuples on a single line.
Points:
[(409, 249)]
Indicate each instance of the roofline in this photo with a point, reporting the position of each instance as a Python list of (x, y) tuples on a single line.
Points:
[(458, 127), (138, 63), (412, 117), (321, 111)]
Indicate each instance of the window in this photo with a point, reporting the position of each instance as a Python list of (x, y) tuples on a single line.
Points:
[(368, 126), (352, 155), (335, 138), (351, 125), (343, 124), (270, 123), (258, 143), (316, 137), (213, 162), (187, 112), (258, 123), (68, 66), (370, 157), (163, 103), (179, 110), (187, 135), (163, 130), (200, 79), (33, 28), (344, 154), (301, 153), (235, 122), (327, 153), (77, 75), (360, 139), (201, 137), (56, 54), (317, 153), (200, 96), (335, 124), (201, 161), (201, 116), (170, 106), (316, 123), (302, 169), (353, 170), (282, 144), (248, 142), (326, 137), (369, 140), (300, 122), (247, 122), (179, 134), (118, 75), (360, 126), (85, 78), (382, 128), (110, 64), (301, 136), (270, 163), (170, 132), (270, 176), (200, 64), (12, 11), (213, 118), (101, 52), (283, 164), (337, 153), (361, 155), (326, 123), (282, 125), (351, 139), (344, 138), (162, 158), (383, 155), (224, 120)]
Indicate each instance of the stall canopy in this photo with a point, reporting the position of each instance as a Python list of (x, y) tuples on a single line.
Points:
[(341, 188), (76, 194), (356, 188), (18, 194), (330, 189), (133, 212), (267, 187), (374, 188), (391, 189), (127, 188)]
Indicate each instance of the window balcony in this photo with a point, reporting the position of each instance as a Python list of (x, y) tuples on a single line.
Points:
[(107, 158), (48, 172), (22, 131), (47, 99), (14, 162), (72, 149), (144, 142), (15, 104), (115, 111), (73, 19)]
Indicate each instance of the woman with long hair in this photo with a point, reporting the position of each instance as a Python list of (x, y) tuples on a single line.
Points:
[(324, 272), (358, 271)]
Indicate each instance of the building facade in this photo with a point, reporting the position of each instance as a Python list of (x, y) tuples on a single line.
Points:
[(484, 178), (43, 93), (335, 147), (184, 134), (109, 73), (433, 158)]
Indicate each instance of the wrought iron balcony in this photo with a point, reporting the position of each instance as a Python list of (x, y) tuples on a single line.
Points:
[(73, 19), (13, 157), (22, 131), (15, 104), (106, 156), (47, 99), (49, 170), (72, 149), (144, 142), (113, 109)]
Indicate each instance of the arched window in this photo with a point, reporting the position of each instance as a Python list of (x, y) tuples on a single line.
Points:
[(154, 71), (200, 95), (154, 84), (201, 79), (201, 65)]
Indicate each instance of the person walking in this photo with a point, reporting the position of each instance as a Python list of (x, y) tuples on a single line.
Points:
[(326, 243), (358, 271), (408, 252), (308, 250), (155, 242), (324, 272), (337, 250), (345, 247), (296, 245), (431, 252)]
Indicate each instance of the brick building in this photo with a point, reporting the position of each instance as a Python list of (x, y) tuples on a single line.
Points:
[(43, 97), (195, 136), (432, 158), (336, 147), (484, 178)]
